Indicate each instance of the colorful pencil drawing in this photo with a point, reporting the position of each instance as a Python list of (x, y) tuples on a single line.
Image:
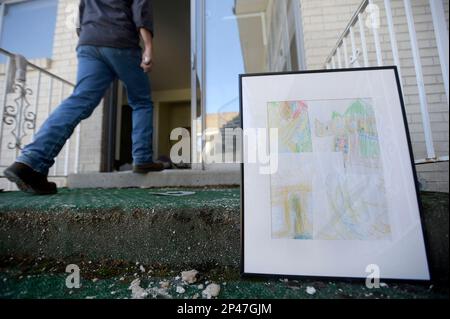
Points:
[(344, 196), (292, 121), (292, 214), (355, 194), (354, 134), (291, 197), (357, 209)]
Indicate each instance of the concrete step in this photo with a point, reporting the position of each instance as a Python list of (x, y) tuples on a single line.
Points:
[(170, 178), (127, 224), (200, 230)]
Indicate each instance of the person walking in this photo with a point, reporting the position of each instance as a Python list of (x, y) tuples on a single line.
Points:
[(110, 32)]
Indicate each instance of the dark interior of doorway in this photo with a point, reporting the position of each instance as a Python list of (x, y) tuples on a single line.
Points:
[(171, 73)]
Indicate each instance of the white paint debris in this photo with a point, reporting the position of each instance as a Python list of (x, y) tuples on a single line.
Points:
[(141, 268), (122, 278), (211, 291), (157, 293), (196, 296), (180, 290), (177, 278), (311, 290), (189, 277), (164, 284), (200, 287), (95, 280), (137, 292)]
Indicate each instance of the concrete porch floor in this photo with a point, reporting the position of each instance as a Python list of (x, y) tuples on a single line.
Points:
[(110, 233), (31, 279)]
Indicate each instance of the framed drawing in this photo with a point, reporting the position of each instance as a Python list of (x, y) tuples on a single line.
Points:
[(341, 198)]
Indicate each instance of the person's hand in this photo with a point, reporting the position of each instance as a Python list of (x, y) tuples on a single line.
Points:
[(147, 60)]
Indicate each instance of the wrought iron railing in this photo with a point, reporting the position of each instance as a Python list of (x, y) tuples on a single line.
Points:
[(25, 103), (353, 49)]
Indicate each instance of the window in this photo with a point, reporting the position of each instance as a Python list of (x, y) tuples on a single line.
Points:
[(27, 27)]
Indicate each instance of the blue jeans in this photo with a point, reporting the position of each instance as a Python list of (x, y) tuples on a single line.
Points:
[(97, 68)]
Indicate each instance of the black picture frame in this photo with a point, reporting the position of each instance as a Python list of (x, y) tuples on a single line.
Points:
[(247, 275)]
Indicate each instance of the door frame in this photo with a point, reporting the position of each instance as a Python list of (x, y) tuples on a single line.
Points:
[(109, 127), (198, 60), (197, 37)]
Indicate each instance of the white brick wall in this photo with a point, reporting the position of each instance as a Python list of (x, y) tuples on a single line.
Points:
[(64, 64), (323, 23)]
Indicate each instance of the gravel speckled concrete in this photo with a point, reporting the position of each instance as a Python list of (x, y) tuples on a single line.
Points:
[(436, 226), (46, 279), (129, 224), (202, 230)]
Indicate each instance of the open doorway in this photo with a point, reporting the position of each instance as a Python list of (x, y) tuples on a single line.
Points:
[(171, 115), (171, 89)]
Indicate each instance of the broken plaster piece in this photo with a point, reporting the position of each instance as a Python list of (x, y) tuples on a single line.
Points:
[(211, 291), (189, 277)]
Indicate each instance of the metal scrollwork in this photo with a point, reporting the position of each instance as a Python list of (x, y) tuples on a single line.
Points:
[(20, 116)]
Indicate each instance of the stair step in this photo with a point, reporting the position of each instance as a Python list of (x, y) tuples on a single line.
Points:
[(169, 178), (127, 224), (199, 230)]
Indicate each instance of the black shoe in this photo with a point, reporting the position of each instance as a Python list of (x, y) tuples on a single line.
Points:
[(147, 168), (30, 181)]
